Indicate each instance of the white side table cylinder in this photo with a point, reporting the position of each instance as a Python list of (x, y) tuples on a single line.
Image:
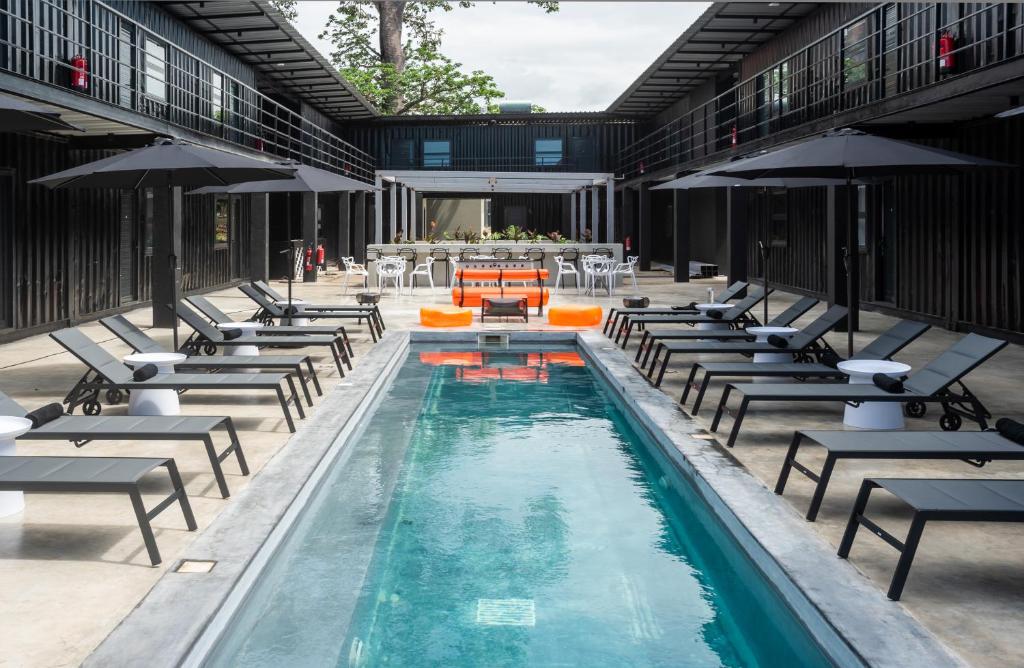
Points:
[(873, 414), (11, 428), (154, 402), (248, 329), (712, 326), (296, 320)]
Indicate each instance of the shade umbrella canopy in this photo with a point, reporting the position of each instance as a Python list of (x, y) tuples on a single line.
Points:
[(167, 163), (18, 115), (852, 154), (706, 180), (306, 180)]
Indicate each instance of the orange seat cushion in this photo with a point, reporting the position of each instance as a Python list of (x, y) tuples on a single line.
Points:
[(501, 274), (474, 295), (575, 315), (445, 316)]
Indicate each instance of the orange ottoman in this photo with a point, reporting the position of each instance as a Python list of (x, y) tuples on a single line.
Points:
[(574, 315), (445, 316)]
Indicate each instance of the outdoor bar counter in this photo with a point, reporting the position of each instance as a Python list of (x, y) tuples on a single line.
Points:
[(423, 250)]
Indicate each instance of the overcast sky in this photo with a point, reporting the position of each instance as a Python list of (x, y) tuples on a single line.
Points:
[(579, 59)]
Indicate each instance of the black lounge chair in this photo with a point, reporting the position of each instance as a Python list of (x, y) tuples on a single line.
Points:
[(806, 344), (736, 317), (734, 291), (887, 344), (219, 317), (269, 311), (940, 500), (276, 296), (82, 429), (933, 383), (207, 338), (140, 342), (98, 475), (784, 319), (974, 447), (106, 372)]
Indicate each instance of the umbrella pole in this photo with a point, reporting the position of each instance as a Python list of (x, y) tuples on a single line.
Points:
[(291, 261), (851, 257), (172, 260), (766, 252)]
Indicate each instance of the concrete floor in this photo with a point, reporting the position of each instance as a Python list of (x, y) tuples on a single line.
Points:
[(74, 566)]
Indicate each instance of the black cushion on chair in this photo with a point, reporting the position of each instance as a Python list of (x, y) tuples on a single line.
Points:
[(292, 310), (715, 314), (231, 334), (692, 306), (888, 383), (144, 372), (44, 414), (778, 341), (1007, 428)]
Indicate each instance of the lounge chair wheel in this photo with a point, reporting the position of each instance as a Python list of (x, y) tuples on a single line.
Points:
[(915, 409), (950, 422), (209, 349), (114, 396), (91, 408)]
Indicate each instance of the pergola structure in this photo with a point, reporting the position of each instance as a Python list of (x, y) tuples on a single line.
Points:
[(401, 188)]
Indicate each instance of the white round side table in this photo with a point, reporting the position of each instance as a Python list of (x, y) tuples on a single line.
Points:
[(762, 334), (248, 329), (11, 428), (873, 414), (704, 308), (154, 402), (296, 320)]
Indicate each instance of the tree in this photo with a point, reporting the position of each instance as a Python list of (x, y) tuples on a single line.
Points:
[(391, 52)]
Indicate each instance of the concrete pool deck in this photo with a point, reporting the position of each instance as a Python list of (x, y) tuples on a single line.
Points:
[(79, 568)]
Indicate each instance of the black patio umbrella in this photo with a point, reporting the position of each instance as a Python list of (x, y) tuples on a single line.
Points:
[(706, 180), (849, 155), (307, 180), (167, 163), (18, 115)]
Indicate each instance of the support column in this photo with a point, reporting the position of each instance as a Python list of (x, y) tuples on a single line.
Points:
[(378, 211), (595, 210), (359, 228), (644, 226), (259, 237), (308, 225), (628, 220), (403, 221), (737, 234), (609, 215), (414, 232), (680, 236), (344, 248), (572, 215), (583, 213), (167, 216), (393, 212)]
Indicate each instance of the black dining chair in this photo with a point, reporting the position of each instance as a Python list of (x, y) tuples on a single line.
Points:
[(502, 253)]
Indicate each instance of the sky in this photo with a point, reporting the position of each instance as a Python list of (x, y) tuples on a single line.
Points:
[(579, 59)]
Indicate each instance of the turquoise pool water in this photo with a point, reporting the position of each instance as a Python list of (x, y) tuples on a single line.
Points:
[(499, 509)]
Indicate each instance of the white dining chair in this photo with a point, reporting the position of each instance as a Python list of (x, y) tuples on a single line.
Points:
[(425, 269), (627, 268), (566, 269), (390, 269), (352, 268)]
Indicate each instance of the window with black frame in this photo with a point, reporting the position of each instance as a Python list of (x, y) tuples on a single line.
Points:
[(437, 153), (856, 53), (221, 221), (547, 152), (403, 153), (778, 217), (217, 96), (155, 67)]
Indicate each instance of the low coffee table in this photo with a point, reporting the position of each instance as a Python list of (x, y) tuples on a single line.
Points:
[(11, 428), (762, 334), (297, 321), (248, 329), (154, 402), (710, 326), (873, 414)]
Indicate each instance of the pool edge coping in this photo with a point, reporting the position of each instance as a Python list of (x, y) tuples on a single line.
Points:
[(878, 631)]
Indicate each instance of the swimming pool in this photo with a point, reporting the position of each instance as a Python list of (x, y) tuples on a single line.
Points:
[(500, 508)]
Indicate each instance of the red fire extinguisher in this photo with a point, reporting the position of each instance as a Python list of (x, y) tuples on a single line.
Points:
[(320, 255), (947, 59), (629, 243), (80, 72), (309, 258), (735, 137)]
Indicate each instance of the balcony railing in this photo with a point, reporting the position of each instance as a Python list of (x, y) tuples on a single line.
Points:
[(132, 67), (889, 51)]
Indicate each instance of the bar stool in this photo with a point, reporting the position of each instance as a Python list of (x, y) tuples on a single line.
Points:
[(407, 253), (372, 254), (502, 253), (465, 253), (536, 254), (607, 252), (441, 254), (571, 254)]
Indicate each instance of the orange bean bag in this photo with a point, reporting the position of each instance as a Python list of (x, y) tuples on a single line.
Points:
[(445, 316), (501, 274), (474, 295), (575, 315)]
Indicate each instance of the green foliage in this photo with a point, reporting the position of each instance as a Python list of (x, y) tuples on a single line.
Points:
[(289, 8), (513, 233), (418, 80)]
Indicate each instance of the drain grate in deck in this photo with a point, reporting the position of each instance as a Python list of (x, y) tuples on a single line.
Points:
[(505, 612)]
